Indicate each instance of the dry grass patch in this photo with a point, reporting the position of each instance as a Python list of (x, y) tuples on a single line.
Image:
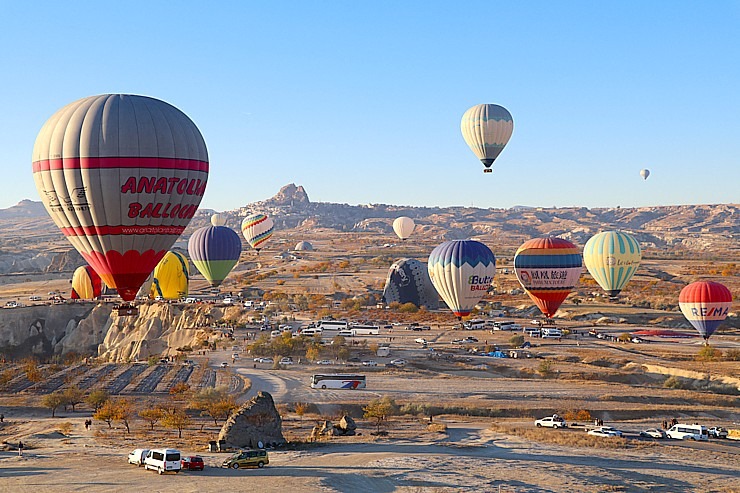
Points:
[(437, 427), (567, 438)]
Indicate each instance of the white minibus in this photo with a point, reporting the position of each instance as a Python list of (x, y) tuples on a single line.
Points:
[(688, 432), (162, 460)]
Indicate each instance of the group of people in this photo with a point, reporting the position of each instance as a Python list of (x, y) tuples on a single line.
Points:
[(668, 424)]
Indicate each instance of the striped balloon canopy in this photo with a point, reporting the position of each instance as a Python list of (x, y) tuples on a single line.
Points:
[(705, 304), (215, 251), (486, 129), (548, 269), (170, 277), (461, 272), (257, 229), (612, 257), (86, 284), (121, 176)]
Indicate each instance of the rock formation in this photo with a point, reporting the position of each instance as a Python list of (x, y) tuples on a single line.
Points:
[(256, 421)]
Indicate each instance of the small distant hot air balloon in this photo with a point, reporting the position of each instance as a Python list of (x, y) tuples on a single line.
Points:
[(705, 304), (645, 173), (303, 246), (461, 271), (257, 229), (403, 226), (548, 269), (215, 251), (612, 257), (121, 176), (170, 277), (218, 220), (86, 284), (486, 129)]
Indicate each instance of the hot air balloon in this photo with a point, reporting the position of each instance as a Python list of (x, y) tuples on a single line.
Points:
[(486, 129), (548, 269), (461, 272), (122, 176), (257, 229), (215, 251), (612, 257), (170, 277), (403, 226), (645, 173), (705, 304), (303, 246), (218, 220), (86, 284), (408, 282)]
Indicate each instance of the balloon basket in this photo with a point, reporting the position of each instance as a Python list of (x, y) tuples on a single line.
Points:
[(126, 310), (488, 170)]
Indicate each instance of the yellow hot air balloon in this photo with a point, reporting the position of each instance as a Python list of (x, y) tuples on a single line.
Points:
[(612, 257), (486, 129), (170, 277)]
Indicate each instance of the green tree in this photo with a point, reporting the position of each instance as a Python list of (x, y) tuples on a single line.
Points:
[(516, 340), (343, 353), (53, 401), (380, 410), (73, 396), (97, 398), (176, 419), (312, 353)]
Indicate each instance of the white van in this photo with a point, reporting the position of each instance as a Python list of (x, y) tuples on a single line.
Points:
[(312, 331), (688, 432), (275, 333), (162, 460)]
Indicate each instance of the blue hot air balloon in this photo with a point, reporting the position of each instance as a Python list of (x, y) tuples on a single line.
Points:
[(408, 282), (215, 251), (461, 271)]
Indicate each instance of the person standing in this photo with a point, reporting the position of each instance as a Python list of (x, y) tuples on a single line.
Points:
[(20, 448)]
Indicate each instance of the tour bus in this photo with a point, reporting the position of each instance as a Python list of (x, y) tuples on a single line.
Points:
[(365, 330), (338, 381), (551, 333), (688, 432), (477, 324), (333, 325)]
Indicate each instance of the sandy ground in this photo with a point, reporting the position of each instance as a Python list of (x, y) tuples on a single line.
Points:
[(469, 457)]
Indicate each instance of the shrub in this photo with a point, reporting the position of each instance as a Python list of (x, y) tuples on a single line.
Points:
[(65, 428), (516, 340), (732, 355), (545, 368), (709, 353)]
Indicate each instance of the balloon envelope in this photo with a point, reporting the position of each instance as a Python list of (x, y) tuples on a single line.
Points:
[(122, 176), (218, 220), (215, 251), (403, 226), (461, 272), (705, 304), (645, 173), (486, 129), (170, 277), (548, 269), (304, 246), (86, 284), (408, 282), (612, 257), (257, 229)]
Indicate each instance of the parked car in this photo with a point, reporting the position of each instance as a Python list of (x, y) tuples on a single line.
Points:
[(137, 456), (323, 362), (718, 432), (247, 458), (399, 362), (600, 432), (369, 363), (264, 360), (224, 364), (192, 463), (162, 460), (608, 430), (554, 421), (653, 433), (420, 340), (287, 360)]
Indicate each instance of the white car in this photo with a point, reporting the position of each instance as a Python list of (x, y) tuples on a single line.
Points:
[(323, 362), (399, 362), (605, 432), (263, 360), (224, 364), (137, 456), (420, 340), (286, 361), (551, 422), (369, 363)]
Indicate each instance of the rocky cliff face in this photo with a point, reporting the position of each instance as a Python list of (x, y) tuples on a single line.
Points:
[(257, 421)]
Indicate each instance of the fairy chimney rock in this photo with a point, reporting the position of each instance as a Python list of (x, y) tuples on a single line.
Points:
[(256, 421)]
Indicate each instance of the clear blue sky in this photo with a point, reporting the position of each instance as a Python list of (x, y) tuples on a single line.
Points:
[(360, 102)]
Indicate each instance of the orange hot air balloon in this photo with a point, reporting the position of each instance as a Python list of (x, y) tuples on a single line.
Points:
[(121, 176)]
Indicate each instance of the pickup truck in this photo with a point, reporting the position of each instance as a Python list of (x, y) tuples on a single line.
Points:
[(551, 422)]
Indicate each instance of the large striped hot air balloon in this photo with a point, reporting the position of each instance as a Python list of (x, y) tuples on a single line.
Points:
[(170, 277), (548, 269), (86, 284), (486, 129), (705, 304), (122, 176), (612, 257), (461, 272), (215, 251), (257, 229), (403, 227)]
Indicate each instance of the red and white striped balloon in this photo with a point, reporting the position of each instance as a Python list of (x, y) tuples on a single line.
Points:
[(121, 176)]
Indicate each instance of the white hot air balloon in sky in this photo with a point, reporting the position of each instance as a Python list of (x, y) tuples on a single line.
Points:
[(645, 173), (403, 226), (218, 220)]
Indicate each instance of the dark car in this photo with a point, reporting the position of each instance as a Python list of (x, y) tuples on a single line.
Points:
[(192, 463)]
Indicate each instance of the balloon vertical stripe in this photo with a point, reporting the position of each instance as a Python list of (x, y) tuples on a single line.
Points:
[(612, 258)]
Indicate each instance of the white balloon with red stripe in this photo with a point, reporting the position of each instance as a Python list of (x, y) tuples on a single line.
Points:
[(121, 176)]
